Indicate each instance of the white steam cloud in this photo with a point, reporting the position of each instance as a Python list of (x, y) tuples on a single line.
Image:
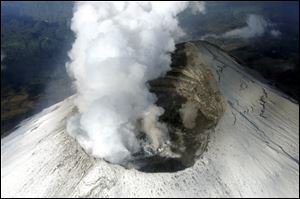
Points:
[(256, 26), (197, 7), (275, 33), (119, 47)]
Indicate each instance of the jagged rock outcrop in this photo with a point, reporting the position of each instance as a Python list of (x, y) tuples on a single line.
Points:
[(253, 148), (193, 106)]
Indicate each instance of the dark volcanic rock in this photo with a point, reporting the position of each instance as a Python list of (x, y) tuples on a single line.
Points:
[(193, 105)]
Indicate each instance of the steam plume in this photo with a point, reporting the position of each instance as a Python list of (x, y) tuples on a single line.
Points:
[(256, 26), (119, 47), (2, 57)]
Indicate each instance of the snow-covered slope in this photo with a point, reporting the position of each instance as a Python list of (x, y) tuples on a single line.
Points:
[(253, 152)]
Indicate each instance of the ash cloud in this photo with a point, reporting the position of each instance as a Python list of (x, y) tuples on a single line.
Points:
[(119, 47)]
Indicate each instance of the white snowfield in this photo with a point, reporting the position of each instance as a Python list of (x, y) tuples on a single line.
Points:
[(253, 152)]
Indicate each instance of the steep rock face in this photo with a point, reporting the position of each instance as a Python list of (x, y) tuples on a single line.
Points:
[(253, 151), (193, 105)]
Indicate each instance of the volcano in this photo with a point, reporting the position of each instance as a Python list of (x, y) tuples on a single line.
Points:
[(236, 137)]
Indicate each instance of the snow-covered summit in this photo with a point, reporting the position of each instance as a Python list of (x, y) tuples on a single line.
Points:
[(253, 151)]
